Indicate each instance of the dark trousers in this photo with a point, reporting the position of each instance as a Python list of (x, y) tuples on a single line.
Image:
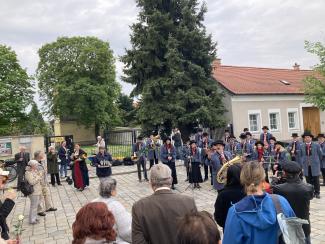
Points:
[(153, 161), (206, 171), (313, 180), (323, 174), (57, 177), (20, 174), (142, 162), (172, 166)]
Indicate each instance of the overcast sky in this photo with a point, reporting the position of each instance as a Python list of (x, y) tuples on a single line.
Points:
[(249, 33)]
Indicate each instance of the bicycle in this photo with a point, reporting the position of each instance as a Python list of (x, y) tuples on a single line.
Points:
[(9, 165)]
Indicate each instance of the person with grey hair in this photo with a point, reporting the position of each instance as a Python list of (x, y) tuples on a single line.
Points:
[(107, 192), (39, 156), (34, 177), (154, 218)]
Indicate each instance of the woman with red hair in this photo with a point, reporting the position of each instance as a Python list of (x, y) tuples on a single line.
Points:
[(94, 224)]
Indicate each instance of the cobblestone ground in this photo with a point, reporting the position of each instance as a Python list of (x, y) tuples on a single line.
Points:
[(56, 226)]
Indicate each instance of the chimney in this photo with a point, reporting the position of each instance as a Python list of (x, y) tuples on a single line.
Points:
[(296, 66), (216, 64)]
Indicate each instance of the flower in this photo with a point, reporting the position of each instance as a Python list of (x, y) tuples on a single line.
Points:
[(21, 217)]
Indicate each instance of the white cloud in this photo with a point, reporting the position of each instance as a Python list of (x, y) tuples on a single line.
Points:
[(251, 33)]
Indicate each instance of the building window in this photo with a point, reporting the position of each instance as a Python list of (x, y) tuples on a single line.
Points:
[(254, 122), (293, 119), (274, 118)]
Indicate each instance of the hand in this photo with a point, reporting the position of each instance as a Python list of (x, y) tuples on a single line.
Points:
[(275, 167), (11, 241), (21, 159), (10, 194), (169, 158)]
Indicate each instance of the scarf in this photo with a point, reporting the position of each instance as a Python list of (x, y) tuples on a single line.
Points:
[(260, 152)]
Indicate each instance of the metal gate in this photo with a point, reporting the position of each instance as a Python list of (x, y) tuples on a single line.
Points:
[(120, 142)]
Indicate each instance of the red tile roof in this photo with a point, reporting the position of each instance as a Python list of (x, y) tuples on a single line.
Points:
[(253, 80)]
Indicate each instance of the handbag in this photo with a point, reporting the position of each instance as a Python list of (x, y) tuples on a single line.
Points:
[(25, 187)]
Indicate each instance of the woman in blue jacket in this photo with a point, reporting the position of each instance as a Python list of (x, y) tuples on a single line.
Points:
[(253, 219)]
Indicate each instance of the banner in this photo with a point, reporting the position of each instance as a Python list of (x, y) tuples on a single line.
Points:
[(5, 147)]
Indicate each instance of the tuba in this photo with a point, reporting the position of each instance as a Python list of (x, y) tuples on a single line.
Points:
[(222, 174)]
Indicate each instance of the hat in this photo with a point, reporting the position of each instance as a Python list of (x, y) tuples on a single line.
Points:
[(246, 129), (248, 133), (294, 135), (218, 142), (321, 135), (273, 138), (291, 167), (232, 137), (3, 173), (192, 142), (226, 130), (307, 133), (265, 127), (279, 143), (242, 136), (259, 143), (139, 138)]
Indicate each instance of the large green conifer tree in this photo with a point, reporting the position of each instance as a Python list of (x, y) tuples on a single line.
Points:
[(170, 65)]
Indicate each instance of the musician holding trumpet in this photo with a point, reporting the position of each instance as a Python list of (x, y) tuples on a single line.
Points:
[(217, 156), (152, 146), (139, 154)]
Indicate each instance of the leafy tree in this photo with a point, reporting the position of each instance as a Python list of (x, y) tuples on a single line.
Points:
[(170, 65), (127, 111), (15, 92), (315, 84), (77, 81), (35, 123)]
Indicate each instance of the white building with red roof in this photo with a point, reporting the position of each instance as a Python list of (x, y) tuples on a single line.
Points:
[(255, 97)]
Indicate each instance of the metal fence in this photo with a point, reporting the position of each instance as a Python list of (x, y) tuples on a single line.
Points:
[(120, 142)]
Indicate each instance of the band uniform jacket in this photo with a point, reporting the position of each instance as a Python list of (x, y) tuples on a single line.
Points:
[(216, 164), (164, 154), (155, 218), (296, 149), (268, 137), (153, 149), (140, 150), (313, 160), (244, 148), (322, 147), (231, 147)]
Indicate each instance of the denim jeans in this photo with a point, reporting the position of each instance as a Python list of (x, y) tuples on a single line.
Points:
[(307, 240), (63, 170), (179, 153)]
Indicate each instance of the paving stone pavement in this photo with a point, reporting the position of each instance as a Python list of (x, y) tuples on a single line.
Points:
[(55, 227)]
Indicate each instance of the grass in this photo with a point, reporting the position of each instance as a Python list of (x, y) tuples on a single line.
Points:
[(117, 151)]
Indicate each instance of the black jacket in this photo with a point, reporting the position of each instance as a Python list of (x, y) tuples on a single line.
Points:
[(228, 196), (298, 195), (5, 209)]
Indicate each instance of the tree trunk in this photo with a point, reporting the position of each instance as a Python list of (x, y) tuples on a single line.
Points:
[(97, 130)]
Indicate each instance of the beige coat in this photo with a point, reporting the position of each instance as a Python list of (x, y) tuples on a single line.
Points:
[(35, 178)]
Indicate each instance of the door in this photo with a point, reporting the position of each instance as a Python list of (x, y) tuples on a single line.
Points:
[(311, 117)]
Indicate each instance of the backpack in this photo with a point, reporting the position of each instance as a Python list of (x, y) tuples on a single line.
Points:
[(25, 187), (291, 228)]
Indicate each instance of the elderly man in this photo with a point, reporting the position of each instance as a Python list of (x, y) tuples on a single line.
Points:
[(154, 218), (22, 158), (6, 205), (40, 158), (100, 143)]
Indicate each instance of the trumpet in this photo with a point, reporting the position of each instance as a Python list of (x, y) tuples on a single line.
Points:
[(222, 174)]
